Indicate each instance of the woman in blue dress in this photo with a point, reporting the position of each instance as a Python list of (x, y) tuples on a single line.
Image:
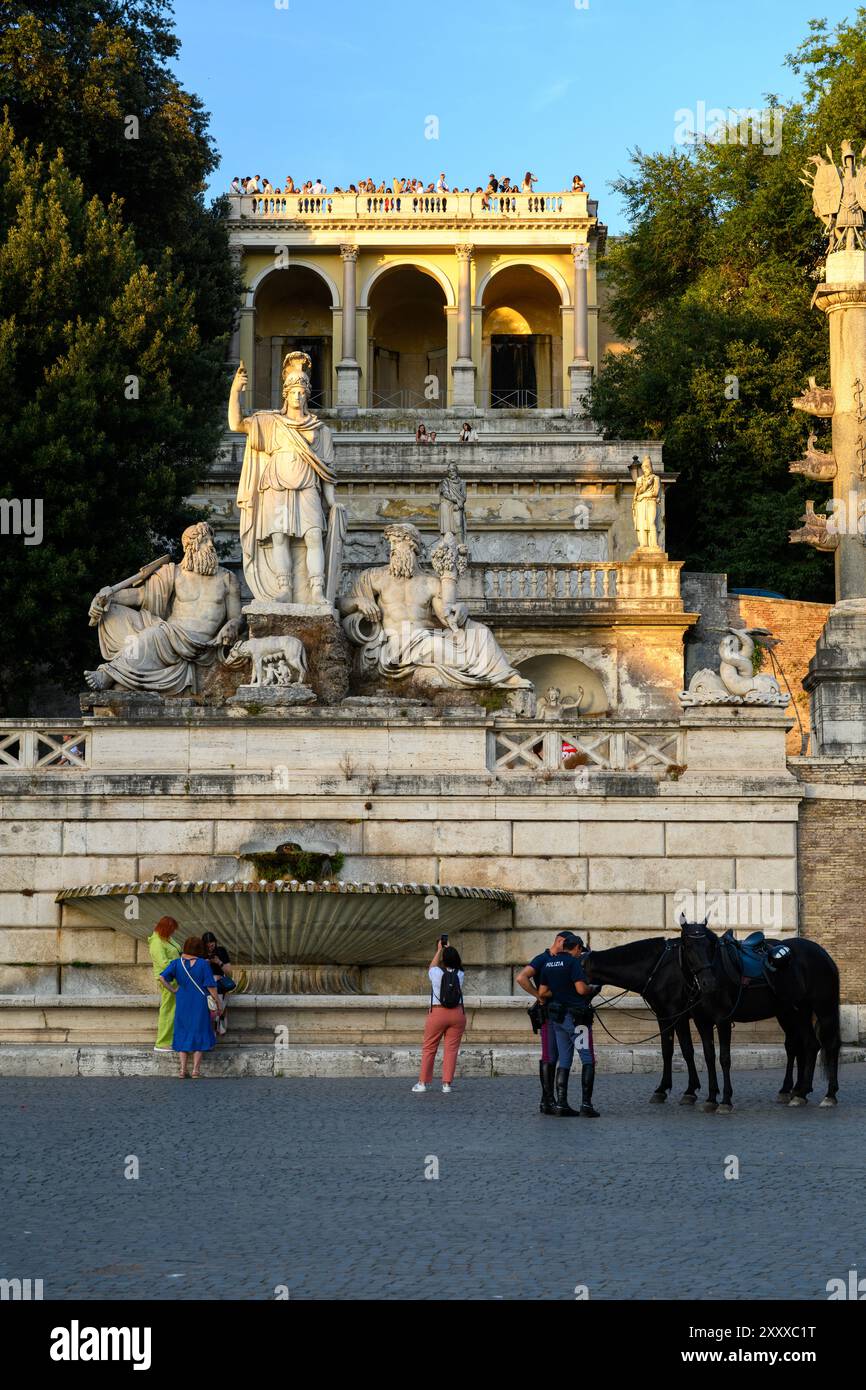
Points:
[(192, 981)]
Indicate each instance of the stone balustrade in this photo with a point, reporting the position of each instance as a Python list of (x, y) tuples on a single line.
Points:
[(512, 584), (586, 747), (28, 745), (418, 207)]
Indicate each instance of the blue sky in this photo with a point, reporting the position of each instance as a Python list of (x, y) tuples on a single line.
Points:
[(343, 90)]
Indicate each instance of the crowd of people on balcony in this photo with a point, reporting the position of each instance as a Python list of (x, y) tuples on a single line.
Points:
[(315, 188)]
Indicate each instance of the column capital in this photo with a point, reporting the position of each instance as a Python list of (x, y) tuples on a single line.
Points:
[(349, 253), (464, 253), (580, 252)]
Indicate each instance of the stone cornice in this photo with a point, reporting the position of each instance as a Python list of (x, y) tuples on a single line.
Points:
[(827, 298)]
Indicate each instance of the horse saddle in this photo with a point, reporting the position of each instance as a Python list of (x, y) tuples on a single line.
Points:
[(756, 960)]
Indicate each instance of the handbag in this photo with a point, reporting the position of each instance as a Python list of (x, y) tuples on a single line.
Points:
[(211, 1002)]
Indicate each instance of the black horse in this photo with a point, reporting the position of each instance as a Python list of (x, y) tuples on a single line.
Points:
[(655, 969), (804, 987), (652, 969)]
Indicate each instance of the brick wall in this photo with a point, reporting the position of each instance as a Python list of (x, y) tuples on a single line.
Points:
[(832, 865)]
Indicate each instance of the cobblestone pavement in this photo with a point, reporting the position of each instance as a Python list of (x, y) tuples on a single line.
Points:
[(319, 1186)]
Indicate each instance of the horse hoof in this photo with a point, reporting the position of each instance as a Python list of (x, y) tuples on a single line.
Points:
[(783, 1098), (725, 1109), (688, 1099), (797, 1100), (709, 1107), (658, 1098), (829, 1100)]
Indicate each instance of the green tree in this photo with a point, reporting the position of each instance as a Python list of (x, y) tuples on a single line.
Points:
[(712, 285), (112, 267), (98, 359)]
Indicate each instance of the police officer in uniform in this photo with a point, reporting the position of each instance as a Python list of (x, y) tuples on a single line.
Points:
[(567, 994), (528, 979)]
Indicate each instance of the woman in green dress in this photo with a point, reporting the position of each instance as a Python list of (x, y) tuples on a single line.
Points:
[(162, 953)]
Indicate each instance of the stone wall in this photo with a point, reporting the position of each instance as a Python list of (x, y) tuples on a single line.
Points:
[(832, 864), (609, 854), (796, 624)]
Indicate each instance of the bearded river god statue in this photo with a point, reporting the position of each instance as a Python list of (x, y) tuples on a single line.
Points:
[(158, 629), (286, 477), (407, 622)]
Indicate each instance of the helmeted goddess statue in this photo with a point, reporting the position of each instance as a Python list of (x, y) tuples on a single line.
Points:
[(286, 477)]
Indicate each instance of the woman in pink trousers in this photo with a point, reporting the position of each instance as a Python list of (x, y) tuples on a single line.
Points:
[(447, 1017)]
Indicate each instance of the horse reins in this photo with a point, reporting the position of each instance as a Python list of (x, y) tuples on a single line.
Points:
[(669, 1023)]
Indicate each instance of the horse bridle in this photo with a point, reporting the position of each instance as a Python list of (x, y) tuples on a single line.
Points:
[(674, 1018), (688, 973)]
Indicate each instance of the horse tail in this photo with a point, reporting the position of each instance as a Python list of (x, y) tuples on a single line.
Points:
[(828, 1021)]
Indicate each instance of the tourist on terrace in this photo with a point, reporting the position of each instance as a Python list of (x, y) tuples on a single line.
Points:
[(267, 186), (162, 952), (318, 188), (192, 982), (577, 184), (529, 180), (421, 433), (446, 1018), (236, 186), (492, 183), (289, 185), (467, 434), (441, 185)]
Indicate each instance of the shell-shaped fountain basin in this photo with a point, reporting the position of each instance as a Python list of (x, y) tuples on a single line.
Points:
[(291, 923)]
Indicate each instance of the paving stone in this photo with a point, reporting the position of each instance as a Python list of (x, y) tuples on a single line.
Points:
[(325, 1180)]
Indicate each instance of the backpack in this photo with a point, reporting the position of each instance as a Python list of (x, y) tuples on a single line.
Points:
[(450, 993)]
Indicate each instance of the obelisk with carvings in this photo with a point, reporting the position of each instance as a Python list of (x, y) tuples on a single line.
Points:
[(837, 672)]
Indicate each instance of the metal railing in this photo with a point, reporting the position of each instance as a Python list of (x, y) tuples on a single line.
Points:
[(525, 400)]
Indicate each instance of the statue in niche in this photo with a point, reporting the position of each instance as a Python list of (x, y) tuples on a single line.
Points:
[(157, 629), (553, 705), (286, 477), (408, 622), (452, 504), (644, 506)]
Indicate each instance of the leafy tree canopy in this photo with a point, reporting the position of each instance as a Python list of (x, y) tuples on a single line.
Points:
[(712, 287), (116, 294)]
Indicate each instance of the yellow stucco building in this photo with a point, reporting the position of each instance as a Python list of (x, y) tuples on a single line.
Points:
[(418, 300)]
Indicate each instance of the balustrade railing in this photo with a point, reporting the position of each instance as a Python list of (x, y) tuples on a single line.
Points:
[(46, 749), (582, 751), (586, 581), (381, 206)]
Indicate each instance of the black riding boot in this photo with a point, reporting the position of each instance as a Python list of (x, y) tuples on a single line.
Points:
[(562, 1107), (587, 1078), (545, 1071)]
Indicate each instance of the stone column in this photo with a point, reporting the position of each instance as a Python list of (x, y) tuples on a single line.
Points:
[(580, 371), (348, 370), (463, 369), (836, 680)]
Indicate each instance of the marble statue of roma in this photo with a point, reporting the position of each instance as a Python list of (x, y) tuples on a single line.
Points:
[(407, 621), (287, 473), (644, 507), (452, 505), (157, 633)]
